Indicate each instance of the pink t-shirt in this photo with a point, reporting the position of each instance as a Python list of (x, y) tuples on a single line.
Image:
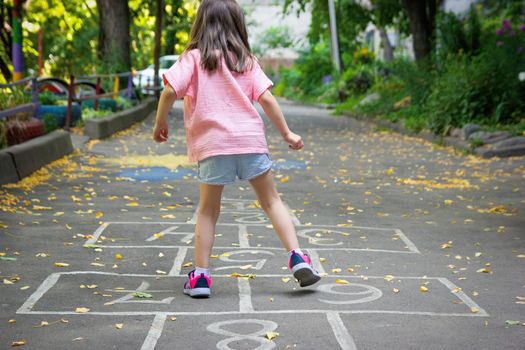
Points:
[(219, 115)]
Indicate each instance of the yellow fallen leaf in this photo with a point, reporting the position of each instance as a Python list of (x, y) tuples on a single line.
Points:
[(24, 287), (474, 310), (389, 278), (119, 325), (21, 342), (13, 321), (342, 282), (456, 290), (118, 256), (446, 245), (225, 254), (337, 270), (59, 213), (395, 290), (478, 254), (483, 270), (97, 264), (285, 179), (132, 204), (99, 214), (423, 289), (271, 335), (188, 264), (61, 264), (285, 279), (173, 318), (6, 281), (82, 310), (169, 216), (322, 260), (160, 272), (350, 269)]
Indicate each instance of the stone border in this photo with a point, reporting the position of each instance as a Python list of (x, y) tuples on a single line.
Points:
[(459, 142), (19, 161), (105, 127)]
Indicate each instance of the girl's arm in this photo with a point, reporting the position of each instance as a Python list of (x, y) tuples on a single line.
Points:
[(166, 101), (274, 112)]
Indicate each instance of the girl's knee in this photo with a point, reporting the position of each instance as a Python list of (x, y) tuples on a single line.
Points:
[(269, 200), (211, 210)]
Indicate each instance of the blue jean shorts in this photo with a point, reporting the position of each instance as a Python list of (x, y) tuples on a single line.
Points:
[(224, 169)]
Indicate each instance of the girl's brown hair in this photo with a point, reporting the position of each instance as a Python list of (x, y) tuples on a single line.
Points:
[(220, 32)]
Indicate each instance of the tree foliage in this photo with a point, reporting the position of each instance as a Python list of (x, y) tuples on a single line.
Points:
[(71, 29)]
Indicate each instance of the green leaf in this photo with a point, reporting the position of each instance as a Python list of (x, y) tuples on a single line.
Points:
[(142, 295), (512, 323), (7, 258)]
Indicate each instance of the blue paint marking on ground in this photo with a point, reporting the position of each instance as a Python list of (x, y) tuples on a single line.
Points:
[(284, 164), (156, 174)]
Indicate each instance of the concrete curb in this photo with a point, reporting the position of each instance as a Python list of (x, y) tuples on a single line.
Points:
[(8, 171), (105, 127), (19, 161)]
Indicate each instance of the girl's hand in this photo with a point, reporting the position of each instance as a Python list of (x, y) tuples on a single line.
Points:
[(294, 141), (160, 132)]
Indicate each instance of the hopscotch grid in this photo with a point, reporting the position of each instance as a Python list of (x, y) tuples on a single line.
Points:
[(342, 335), (245, 306)]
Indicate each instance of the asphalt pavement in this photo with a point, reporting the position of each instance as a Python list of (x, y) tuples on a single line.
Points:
[(420, 247)]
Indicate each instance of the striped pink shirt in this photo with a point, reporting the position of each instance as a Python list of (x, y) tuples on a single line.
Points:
[(219, 115)]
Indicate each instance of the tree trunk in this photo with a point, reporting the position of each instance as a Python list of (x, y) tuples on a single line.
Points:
[(421, 25), (388, 50), (114, 38), (156, 51)]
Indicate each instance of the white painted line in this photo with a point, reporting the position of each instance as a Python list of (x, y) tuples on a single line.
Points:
[(257, 248), (228, 276), (295, 219), (179, 260), (249, 224), (193, 218), (316, 261), (218, 313), (243, 237), (342, 336), (462, 296), (96, 234), (411, 246), (245, 296), (155, 332), (48, 283)]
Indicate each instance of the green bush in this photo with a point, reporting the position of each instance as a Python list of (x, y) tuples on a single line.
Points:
[(90, 113), (48, 98), (123, 103), (307, 79), (50, 122)]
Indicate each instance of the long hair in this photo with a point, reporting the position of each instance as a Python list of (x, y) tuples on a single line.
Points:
[(220, 32)]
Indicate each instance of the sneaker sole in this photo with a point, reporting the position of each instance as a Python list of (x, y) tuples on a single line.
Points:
[(306, 276), (198, 292)]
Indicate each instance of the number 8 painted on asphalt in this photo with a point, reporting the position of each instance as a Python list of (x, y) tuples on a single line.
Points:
[(267, 326)]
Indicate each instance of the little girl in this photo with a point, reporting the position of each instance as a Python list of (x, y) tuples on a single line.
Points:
[(219, 78)]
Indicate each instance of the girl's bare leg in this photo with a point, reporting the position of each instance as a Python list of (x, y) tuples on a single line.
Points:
[(208, 213), (272, 205)]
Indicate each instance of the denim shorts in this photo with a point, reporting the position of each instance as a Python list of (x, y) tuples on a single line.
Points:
[(224, 169)]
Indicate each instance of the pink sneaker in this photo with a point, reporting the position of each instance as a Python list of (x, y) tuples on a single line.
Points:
[(197, 286), (302, 269)]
